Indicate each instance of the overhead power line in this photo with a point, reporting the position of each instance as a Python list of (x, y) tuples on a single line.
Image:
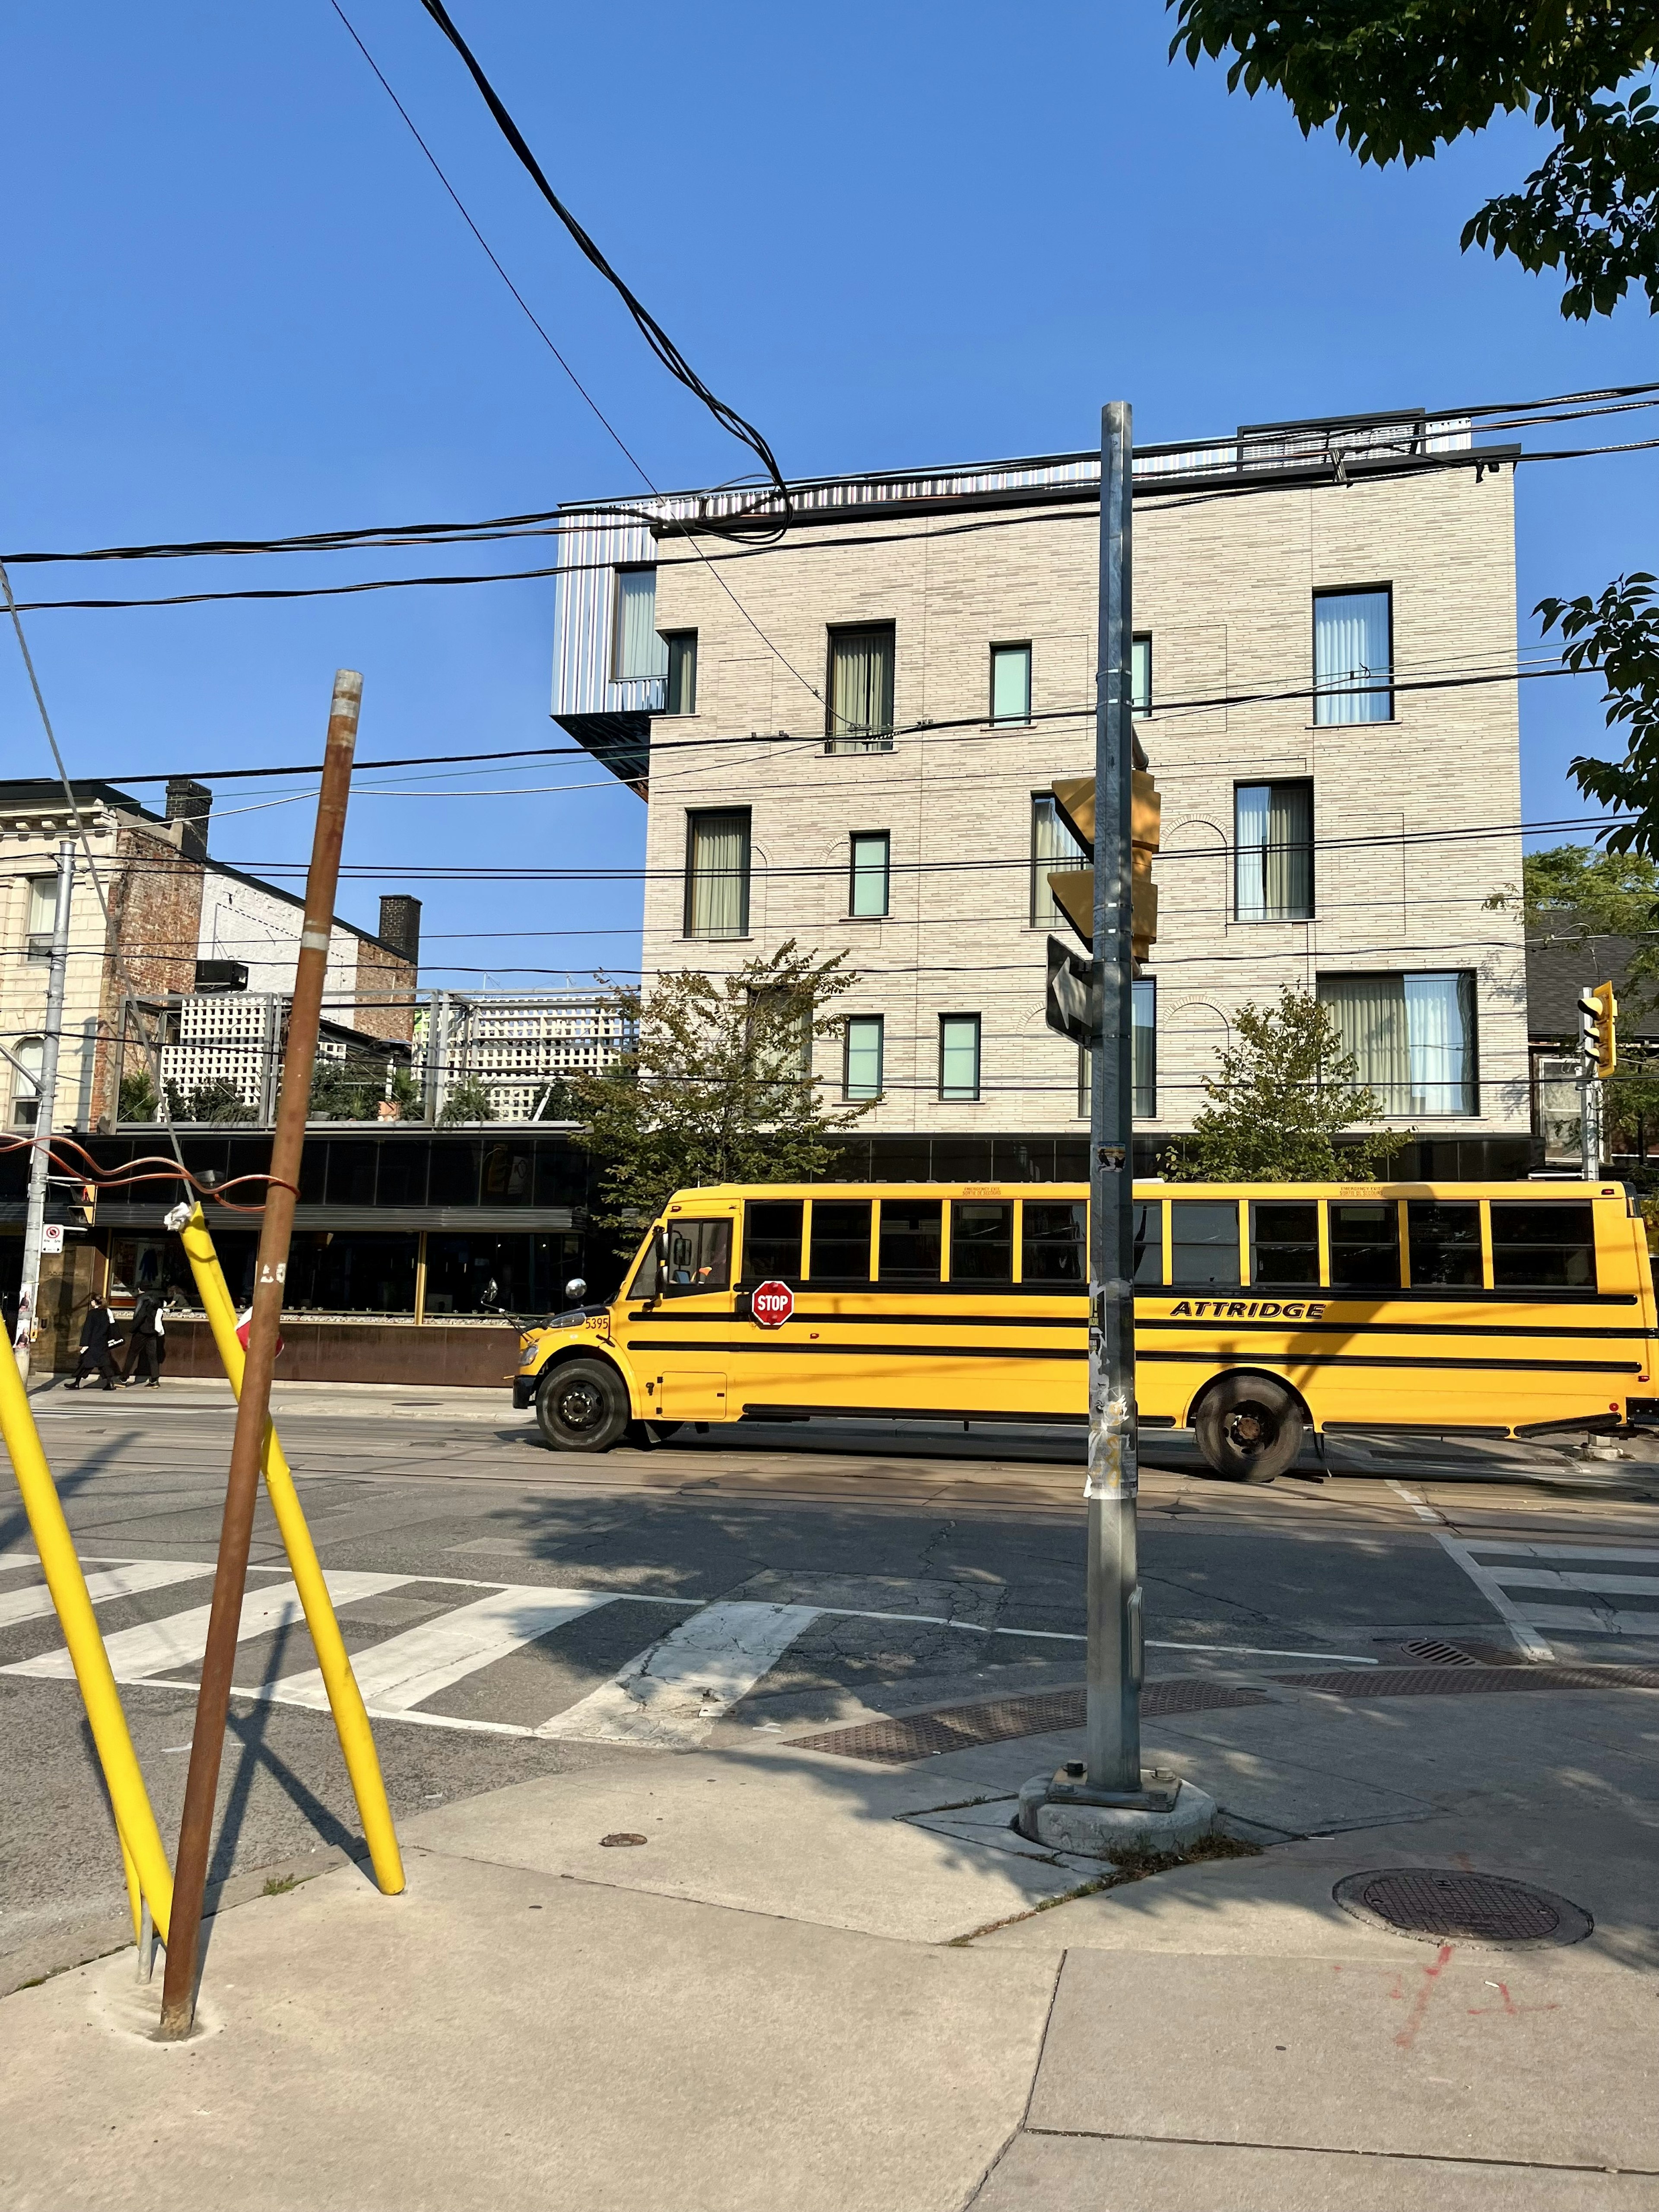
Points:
[(649, 328)]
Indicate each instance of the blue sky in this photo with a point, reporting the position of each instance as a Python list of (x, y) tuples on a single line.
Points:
[(237, 302)]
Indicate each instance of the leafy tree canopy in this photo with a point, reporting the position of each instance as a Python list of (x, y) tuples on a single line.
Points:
[(1283, 1092), (1399, 79), (1614, 893), (719, 1086)]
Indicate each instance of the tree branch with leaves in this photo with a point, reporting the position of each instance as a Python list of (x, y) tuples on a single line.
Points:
[(718, 1086)]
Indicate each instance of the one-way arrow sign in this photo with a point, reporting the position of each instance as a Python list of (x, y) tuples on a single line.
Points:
[(1075, 1002)]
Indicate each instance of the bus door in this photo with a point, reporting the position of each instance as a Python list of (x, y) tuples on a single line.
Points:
[(679, 1342)]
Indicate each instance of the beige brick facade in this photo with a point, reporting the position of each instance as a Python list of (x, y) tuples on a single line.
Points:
[(1224, 586)]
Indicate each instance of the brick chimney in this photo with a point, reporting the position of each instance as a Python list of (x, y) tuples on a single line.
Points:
[(189, 804), (400, 926)]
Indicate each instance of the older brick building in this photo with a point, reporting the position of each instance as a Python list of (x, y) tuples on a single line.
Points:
[(1325, 616)]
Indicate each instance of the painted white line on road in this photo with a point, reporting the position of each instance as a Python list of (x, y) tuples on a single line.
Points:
[(1632, 1554), (1563, 1578), (407, 1669), (671, 1695), (270, 1693), (181, 1638), (18, 1560), (119, 1581), (1530, 1641), (1586, 1621), (1422, 1512)]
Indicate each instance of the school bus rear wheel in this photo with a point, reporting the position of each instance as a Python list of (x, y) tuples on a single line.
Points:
[(1249, 1428), (582, 1405)]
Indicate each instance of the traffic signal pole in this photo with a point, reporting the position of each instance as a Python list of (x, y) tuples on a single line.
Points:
[(45, 1114), (1113, 1722)]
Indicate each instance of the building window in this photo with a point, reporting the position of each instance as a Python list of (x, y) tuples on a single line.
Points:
[(861, 1075), (1273, 837), (1413, 1038), (1354, 656), (638, 651), (1053, 849), (1140, 676), (717, 874), (682, 671), (1010, 683), (866, 897), (958, 1055), (1145, 1042), (860, 718), (43, 915), (26, 1080)]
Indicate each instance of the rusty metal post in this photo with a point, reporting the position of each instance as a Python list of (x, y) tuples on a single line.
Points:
[(252, 1410)]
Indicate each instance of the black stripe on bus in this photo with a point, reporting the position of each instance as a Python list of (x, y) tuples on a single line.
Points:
[(1389, 1328), (1280, 1323), (751, 1344), (1362, 1360)]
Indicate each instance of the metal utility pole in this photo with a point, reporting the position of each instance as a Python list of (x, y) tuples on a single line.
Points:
[(252, 1410), (1113, 1716), (45, 1112)]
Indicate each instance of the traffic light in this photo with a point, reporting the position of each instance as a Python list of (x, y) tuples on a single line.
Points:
[(1074, 887), (1598, 1030), (86, 1198)]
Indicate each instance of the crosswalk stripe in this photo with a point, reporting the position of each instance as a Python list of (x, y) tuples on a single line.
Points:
[(1497, 1596), (670, 1695), (17, 1559), (181, 1638), (1628, 1554), (1554, 1578), (34, 1604), (1587, 1622), (405, 1670)]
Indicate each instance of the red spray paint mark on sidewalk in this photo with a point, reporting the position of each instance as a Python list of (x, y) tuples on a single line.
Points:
[(1509, 2005), (1408, 2035)]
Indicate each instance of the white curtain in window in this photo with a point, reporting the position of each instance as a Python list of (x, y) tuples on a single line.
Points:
[(719, 876), (640, 651), (1438, 1033), (1251, 806), (1052, 847), (1352, 649), (861, 692), (1370, 1020)]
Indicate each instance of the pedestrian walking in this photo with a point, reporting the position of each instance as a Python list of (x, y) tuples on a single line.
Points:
[(148, 1346), (97, 1346)]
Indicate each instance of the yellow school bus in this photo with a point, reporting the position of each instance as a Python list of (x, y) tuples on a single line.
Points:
[(1263, 1313)]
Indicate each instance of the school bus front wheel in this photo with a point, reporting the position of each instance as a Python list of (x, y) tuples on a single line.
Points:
[(1250, 1427), (582, 1405)]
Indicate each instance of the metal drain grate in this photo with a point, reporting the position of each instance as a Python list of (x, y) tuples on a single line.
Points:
[(1440, 1653), (960, 1728), (1438, 1906), (1455, 1681)]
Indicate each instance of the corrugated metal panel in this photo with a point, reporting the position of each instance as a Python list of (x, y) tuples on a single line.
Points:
[(584, 615)]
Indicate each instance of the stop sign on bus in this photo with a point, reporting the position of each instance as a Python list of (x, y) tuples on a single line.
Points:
[(772, 1304)]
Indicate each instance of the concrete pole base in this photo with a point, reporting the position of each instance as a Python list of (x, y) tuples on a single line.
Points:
[(1165, 1816)]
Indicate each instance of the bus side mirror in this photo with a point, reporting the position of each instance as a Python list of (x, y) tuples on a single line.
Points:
[(576, 1289), (659, 1245)]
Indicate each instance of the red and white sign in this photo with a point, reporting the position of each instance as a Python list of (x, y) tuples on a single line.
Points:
[(772, 1304), (52, 1236), (243, 1326)]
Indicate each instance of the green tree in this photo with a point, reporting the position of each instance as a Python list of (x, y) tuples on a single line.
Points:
[(1570, 890), (1283, 1094), (138, 1099), (469, 1100), (1399, 79), (718, 1087)]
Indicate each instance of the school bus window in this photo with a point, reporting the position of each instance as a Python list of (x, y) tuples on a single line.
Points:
[(841, 1242), (1284, 1244), (1204, 1243), (1052, 1243), (771, 1240), (1365, 1245), (699, 1258), (1543, 1248), (912, 1239), (1444, 1240), (982, 1241), (1149, 1243)]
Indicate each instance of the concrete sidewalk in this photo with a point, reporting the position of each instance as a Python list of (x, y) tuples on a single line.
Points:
[(822, 1983)]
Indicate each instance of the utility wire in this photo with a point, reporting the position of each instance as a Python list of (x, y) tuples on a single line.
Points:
[(650, 329)]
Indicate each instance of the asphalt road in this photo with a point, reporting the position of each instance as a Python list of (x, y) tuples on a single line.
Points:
[(516, 1614)]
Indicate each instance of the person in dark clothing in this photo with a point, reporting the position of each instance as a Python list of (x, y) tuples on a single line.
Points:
[(98, 1344), (147, 1346)]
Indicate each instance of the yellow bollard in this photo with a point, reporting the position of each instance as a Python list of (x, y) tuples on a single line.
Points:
[(344, 1697), (141, 1840)]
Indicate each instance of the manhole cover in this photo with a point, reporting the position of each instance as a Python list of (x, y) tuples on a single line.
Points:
[(1439, 1905)]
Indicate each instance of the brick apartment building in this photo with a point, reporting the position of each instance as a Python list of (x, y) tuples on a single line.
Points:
[(879, 704)]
